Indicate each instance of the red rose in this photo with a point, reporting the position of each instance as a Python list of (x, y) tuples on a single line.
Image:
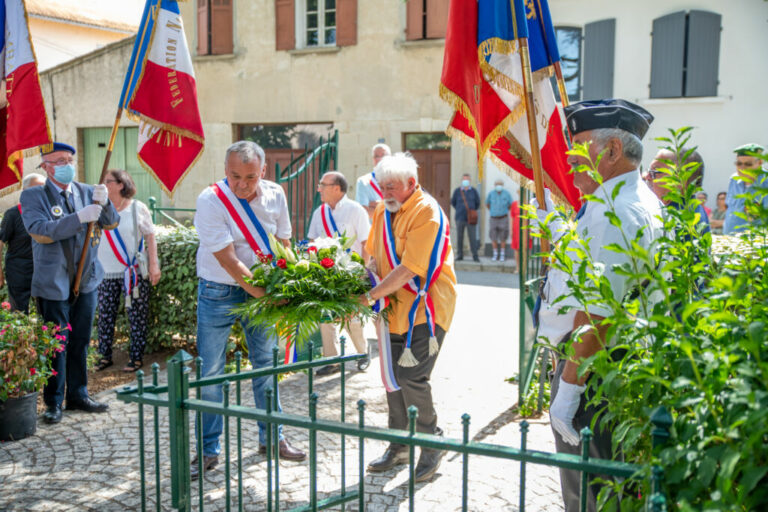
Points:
[(6, 305), (327, 262), (312, 248), (269, 257), (281, 263), (32, 371)]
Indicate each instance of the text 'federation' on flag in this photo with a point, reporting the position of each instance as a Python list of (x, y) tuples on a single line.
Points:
[(160, 93), (23, 121), (482, 80)]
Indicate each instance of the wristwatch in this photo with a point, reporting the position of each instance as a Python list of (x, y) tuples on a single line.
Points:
[(371, 300)]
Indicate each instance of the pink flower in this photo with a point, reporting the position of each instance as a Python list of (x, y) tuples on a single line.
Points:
[(32, 371), (69, 326), (6, 305), (54, 372), (327, 262), (60, 348), (281, 263), (45, 327), (59, 337), (2, 333)]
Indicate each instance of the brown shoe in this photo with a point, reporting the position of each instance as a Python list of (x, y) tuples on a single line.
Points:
[(209, 462), (287, 452)]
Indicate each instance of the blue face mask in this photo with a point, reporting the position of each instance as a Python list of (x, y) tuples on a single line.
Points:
[(465, 183), (499, 188), (64, 174)]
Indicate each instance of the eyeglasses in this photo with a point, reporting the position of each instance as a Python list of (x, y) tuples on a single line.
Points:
[(745, 164), (111, 181), (60, 161), (652, 175), (322, 185)]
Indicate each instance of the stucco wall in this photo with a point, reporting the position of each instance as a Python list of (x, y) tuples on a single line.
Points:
[(56, 42)]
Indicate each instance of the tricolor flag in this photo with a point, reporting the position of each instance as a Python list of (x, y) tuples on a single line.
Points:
[(482, 81), (160, 94), (23, 122)]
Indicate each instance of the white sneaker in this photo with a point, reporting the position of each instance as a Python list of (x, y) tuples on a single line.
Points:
[(501, 257), (495, 256)]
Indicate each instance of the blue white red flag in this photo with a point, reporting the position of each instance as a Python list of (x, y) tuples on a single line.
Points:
[(160, 93), (482, 79), (23, 122)]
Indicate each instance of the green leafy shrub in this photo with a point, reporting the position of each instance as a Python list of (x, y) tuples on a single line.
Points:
[(694, 339)]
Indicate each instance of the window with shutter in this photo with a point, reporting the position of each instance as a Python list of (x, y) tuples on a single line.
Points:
[(316, 23), (685, 55), (426, 19), (346, 17), (214, 27), (599, 44), (569, 45)]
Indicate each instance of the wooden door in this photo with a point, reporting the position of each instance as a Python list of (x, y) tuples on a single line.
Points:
[(435, 174)]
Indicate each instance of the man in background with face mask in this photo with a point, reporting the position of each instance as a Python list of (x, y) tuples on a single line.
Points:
[(498, 203), (465, 202), (56, 216)]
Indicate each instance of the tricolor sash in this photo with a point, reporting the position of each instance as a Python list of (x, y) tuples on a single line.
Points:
[(375, 186), (244, 216), (291, 354), (329, 224), (418, 286), (131, 274), (385, 345)]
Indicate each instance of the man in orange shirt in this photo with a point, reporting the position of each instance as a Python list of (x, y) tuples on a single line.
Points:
[(411, 247)]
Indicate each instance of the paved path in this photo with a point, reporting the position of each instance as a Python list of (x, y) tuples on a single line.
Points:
[(90, 462)]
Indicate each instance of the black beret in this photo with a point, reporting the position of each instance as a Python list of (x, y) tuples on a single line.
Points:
[(58, 146), (594, 115), (748, 148)]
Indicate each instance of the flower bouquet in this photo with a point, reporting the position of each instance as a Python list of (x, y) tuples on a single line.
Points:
[(306, 285), (26, 353)]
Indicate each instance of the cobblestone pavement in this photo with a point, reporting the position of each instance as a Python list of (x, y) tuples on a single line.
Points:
[(91, 462)]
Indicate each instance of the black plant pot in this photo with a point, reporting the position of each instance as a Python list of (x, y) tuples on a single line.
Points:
[(18, 417)]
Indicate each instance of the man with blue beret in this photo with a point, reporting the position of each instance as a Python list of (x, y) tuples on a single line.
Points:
[(56, 216), (614, 128), (743, 182)]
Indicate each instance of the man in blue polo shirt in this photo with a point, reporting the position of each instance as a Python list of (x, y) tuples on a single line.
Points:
[(498, 202)]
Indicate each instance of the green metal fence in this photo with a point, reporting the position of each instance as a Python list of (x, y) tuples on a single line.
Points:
[(299, 179), (175, 398)]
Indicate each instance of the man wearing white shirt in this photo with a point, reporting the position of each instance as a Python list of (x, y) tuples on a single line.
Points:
[(232, 215), (614, 127), (367, 191), (338, 215)]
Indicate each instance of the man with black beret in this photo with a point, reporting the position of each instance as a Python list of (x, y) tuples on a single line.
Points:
[(742, 182), (56, 216), (614, 128)]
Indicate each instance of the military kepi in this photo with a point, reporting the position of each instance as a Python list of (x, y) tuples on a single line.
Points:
[(746, 149), (58, 146), (596, 114)]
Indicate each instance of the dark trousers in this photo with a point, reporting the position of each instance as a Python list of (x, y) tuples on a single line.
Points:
[(471, 232), (415, 388), (18, 275), (110, 291), (599, 447), (71, 364)]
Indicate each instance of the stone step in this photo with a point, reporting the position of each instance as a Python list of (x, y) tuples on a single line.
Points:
[(486, 265)]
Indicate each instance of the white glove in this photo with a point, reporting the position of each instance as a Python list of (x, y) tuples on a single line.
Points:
[(556, 224), (90, 213), (100, 194), (563, 409)]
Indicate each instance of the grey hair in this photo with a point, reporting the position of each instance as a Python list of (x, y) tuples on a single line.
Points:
[(387, 149), (338, 179), (632, 147), (400, 166), (29, 178), (247, 150)]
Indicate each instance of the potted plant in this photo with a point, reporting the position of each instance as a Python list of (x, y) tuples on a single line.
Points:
[(27, 348)]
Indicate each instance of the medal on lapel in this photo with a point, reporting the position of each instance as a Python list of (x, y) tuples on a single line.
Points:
[(56, 210)]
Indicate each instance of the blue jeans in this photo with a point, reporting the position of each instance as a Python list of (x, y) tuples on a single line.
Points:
[(215, 302)]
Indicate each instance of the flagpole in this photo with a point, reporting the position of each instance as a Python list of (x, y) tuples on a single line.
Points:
[(533, 133), (90, 230), (561, 84)]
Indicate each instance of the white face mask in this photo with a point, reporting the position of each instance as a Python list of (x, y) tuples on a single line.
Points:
[(465, 183)]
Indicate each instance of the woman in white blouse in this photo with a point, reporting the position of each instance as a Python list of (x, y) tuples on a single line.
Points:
[(129, 257)]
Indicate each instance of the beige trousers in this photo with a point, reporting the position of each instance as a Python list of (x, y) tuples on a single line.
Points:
[(330, 336)]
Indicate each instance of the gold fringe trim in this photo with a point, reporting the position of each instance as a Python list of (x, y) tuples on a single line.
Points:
[(495, 45), (138, 118), (170, 192), (10, 189)]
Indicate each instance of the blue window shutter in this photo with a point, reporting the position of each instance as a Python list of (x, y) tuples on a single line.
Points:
[(702, 54), (599, 46), (667, 56)]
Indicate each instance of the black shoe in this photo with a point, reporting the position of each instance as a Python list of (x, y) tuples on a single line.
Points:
[(394, 456), (429, 461), (209, 462), (476, 259), (87, 404), (363, 364), (459, 258), (52, 414), (328, 370)]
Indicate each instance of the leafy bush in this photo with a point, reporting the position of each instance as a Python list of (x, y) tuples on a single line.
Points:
[(692, 339)]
